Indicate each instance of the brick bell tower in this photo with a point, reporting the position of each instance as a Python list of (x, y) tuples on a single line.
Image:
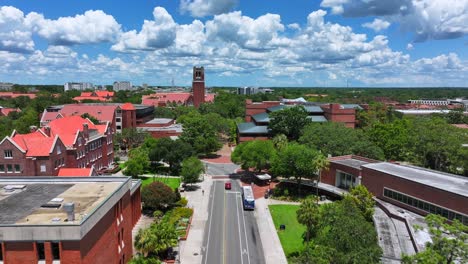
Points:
[(198, 86)]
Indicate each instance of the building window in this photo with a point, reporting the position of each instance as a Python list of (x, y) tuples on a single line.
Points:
[(2, 168), (43, 168), (117, 119), (59, 150), (425, 206), (55, 250), (10, 168), (345, 180), (40, 251), (1, 251), (119, 127), (8, 154), (17, 168)]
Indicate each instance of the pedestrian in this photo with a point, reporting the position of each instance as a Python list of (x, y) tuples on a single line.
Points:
[(203, 192)]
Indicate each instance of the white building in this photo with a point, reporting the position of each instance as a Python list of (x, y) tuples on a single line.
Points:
[(5, 86), (247, 90), (122, 85), (78, 86)]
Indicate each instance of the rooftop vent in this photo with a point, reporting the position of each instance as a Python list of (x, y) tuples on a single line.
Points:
[(70, 209), (11, 187)]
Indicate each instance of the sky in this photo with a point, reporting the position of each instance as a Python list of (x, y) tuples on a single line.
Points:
[(294, 43)]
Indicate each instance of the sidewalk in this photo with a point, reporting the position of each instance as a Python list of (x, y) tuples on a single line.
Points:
[(191, 249), (271, 244)]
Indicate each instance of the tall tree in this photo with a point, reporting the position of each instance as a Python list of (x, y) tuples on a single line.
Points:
[(308, 214), (256, 154), (449, 243), (137, 163), (280, 141), (171, 151), (200, 134), (289, 121), (336, 139), (363, 200), (191, 170), (297, 161), (130, 138)]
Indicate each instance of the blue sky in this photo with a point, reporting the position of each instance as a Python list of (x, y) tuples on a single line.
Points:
[(380, 43)]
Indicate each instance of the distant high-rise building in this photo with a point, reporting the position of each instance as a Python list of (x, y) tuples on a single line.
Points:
[(122, 85), (78, 86), (247, 90), (198, 86)]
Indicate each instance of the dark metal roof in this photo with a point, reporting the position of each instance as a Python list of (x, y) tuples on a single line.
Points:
[(251, 128), (355, 163), (261, 118), (351, 106), (276, 108), (313, 109)]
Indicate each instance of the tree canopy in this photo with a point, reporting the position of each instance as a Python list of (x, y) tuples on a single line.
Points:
[(200, 134), (289, 121), (171, 151), (256, 154), (191, 169)]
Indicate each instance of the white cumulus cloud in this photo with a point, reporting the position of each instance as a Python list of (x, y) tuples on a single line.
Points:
[(155, 34), (15, 35), (94, 26), (249, 33), (201, 8), (377, 25), (426, 19)]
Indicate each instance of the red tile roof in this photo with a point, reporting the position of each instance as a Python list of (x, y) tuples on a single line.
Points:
[(93, 98), (163, 98), (75, 172), (5, 111), (49, 116), (127, 106), (36, 144), (465, 126), (67, 128), (101, 112), (210, 98), (15, 95), (102, 96)]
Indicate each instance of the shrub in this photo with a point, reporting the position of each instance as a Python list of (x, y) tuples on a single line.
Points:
[(158, 196), (116, 159), (182, 202)]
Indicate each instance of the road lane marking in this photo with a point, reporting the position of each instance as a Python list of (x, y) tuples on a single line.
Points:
[(238, 227), (209, 226), (224, 229), (232, 192), (246, 241)]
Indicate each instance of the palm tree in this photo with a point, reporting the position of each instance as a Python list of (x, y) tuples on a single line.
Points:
[(280, 141), (308, 215), (166, 236), (145, 241), (320, 163)]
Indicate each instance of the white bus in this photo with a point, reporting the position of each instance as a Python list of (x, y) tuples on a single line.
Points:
[(248, 198)]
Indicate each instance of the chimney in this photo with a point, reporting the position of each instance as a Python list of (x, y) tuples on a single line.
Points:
[(32, 128), (47, 130), (70, 209), (85, 130)]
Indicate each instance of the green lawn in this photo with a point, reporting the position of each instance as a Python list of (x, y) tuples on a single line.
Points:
[(172, 182), (291, 237)]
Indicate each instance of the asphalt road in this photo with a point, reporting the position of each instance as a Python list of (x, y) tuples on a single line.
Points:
[(231, 234), (220, 169)]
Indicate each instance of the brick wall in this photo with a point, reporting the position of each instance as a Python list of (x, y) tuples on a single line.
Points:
[(20, 253), (252, 108), (334, 113), (375, 181)]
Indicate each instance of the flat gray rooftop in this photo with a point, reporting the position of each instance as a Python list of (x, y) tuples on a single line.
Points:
[(355, 163), (159, 121), (16, 206), (444, 181)]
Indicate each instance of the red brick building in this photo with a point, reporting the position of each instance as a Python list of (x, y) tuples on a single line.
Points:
[(102, 96), (162, 127), (119, 116), (167, 99), (68, 142), (414, 188), (257, 116), (35, 153), (68, 220)]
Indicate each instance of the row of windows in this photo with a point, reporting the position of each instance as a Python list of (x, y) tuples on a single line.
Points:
[(94, 145), (55, 248), (10, 168), (8, 153), (59, 163), (425, 206)]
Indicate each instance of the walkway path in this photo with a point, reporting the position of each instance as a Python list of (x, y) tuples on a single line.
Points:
[(272, 248), (144, 222), (191, 249)]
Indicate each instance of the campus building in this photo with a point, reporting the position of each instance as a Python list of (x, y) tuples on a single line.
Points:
[(77, 86), (162, 127), (122, 86), (69, 142), (102, 96), (257, 116), (68, 219), (119, 115), (416, 189)]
